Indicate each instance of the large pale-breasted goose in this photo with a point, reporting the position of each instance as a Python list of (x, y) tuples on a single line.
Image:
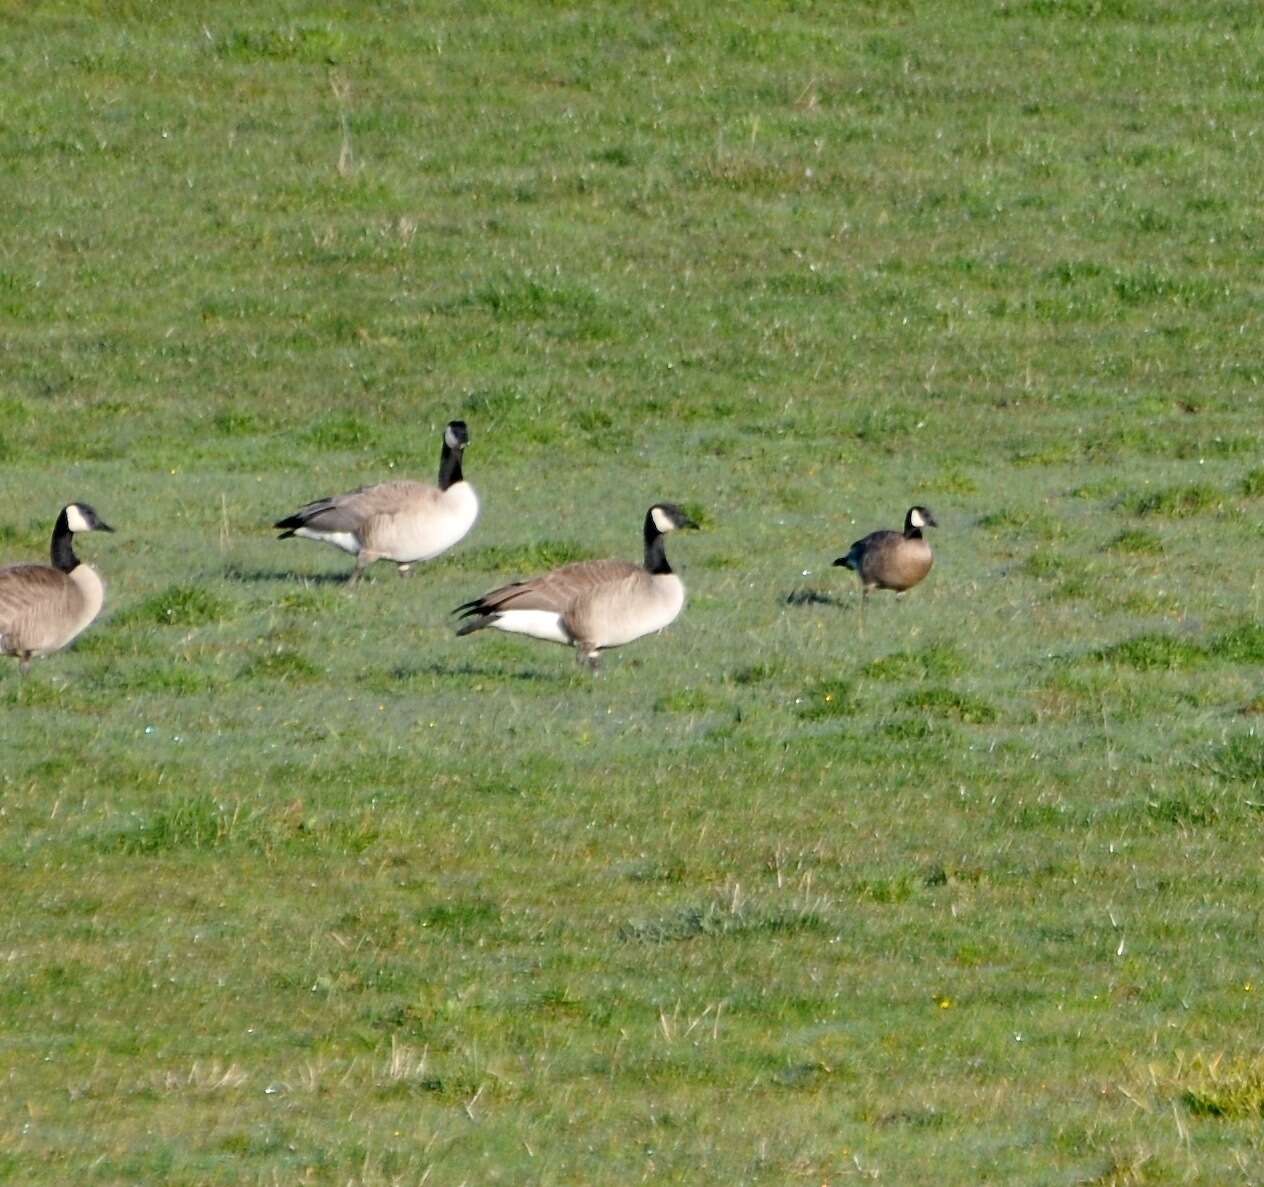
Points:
[(400, 521), (591, 605), (43, 607)]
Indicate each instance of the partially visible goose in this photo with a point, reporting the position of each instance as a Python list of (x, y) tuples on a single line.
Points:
[(401, 521), (43, 607), (591, 605), (893, 560)]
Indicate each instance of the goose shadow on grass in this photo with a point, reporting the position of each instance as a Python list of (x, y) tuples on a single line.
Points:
[(468, 670), (260, 576), (816, 597)]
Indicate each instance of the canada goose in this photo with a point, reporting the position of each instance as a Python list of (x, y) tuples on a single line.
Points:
[(591, 605), (400, 521), (43, 607), (892, 560)]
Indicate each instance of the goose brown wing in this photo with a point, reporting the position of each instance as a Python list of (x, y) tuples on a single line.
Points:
[(30, 595), (613, 606), (347, 513), (876, 541), (557, 590), (894, 561), (390, 498)]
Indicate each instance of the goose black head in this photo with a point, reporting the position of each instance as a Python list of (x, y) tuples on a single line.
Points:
[(456, 435), (919, 517), (82, 517), (668, 517)]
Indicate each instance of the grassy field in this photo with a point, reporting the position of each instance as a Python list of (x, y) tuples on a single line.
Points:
[(302, 889)]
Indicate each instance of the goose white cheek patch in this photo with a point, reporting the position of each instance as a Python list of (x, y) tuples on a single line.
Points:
[(661, 520), (917, 520), (75, 519)]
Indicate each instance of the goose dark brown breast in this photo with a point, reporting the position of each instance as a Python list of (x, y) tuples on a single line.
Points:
[(893, 560)]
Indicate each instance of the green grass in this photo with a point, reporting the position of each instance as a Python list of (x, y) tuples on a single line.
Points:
[(179, 605), (1178, 501), (1219, 1086), (301, 888), (1136, 540)]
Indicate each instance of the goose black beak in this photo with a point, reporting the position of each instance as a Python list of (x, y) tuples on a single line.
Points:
[(686, 522), (101, 526)]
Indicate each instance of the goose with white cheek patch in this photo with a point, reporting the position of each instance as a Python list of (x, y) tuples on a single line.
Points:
[(401, 521), (893, 560), (591, 605), (43, 607)]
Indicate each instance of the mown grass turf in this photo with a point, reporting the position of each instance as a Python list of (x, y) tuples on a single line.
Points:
[(301, 888)]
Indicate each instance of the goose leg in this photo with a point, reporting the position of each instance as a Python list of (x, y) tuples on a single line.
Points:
[(363, 560), (24, 662)]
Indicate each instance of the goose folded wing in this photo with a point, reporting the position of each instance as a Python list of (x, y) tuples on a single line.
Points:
[(877, 540), (28, 593), (347, 513), (556, 591), (614, 606)]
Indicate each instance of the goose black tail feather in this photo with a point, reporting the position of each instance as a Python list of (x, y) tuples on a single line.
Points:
[(475, 623)]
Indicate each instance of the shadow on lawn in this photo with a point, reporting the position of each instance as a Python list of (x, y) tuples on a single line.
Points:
[(814, 597), (476, 671), (258, 576)]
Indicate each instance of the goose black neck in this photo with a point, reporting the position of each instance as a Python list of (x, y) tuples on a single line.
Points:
[(63, 549), (655, 547), (449, 466), (912, 533)]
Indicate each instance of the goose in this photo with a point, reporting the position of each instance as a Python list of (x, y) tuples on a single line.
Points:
[(892, 560), (43, 607), (400, 521), (591, 605)]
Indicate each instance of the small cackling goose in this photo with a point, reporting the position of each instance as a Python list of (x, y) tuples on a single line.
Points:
[(401, 521), (43, 607), (591, 605), (893, 560)]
